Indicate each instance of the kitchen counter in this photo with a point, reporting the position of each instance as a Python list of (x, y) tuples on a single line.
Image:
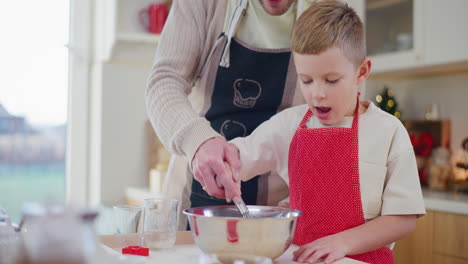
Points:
[(185, 251), (443, 201)]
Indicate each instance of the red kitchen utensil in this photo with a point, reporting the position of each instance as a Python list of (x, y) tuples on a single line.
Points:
[(136, 250)]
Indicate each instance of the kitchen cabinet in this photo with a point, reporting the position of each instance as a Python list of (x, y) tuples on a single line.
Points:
[(417, 247), (451, 235), (415, 36), (439, 238), (439, 259)]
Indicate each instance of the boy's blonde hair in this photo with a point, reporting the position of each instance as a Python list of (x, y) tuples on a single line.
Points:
[(327, 24)]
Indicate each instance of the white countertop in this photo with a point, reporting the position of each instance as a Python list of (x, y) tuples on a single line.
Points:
[(184, 251), (444, 201), (185, 254)]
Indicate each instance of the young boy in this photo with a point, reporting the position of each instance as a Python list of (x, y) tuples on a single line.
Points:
[(350, 166)]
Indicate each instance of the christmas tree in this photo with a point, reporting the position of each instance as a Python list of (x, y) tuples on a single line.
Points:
[(387, 102)]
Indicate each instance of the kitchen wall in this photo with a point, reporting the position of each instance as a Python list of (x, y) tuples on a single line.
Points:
[(123, 150), (123, 56), (119, 115), (449, 92), (122, 158)]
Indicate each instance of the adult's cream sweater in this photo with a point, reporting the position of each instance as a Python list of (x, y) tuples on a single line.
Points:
[(185, 44)]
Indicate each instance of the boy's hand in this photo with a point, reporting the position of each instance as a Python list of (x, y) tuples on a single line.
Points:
[(209, 169), (331, 248)]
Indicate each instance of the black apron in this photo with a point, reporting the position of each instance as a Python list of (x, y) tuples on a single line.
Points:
[(246, 93)]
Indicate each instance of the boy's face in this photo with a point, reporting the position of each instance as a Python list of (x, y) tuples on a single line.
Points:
[(329, 83)]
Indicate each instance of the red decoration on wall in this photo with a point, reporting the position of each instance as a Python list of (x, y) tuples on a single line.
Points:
[(422, 144)]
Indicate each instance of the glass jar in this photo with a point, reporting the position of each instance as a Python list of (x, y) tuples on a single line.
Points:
[(55, 234)]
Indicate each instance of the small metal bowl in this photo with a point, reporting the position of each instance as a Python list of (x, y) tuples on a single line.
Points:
[(221, 230)]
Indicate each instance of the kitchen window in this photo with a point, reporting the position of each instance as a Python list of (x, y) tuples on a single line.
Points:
[(33, 102)]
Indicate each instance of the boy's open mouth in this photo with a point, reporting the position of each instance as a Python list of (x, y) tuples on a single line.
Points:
[(323, 110)]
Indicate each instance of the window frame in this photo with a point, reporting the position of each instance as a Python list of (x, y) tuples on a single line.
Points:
[(80, 70)]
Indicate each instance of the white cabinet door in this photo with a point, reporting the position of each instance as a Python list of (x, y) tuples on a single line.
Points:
[(415, 34), (394, 33), (446, 36)]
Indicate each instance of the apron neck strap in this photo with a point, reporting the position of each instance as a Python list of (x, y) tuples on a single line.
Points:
[(239, 12), (309, 113), (356, 112), (300, 8)]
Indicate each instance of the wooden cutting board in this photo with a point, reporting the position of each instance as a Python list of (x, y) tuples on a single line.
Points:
[(185, 251)]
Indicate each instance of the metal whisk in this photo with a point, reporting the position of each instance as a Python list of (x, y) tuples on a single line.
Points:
[(243, 209)]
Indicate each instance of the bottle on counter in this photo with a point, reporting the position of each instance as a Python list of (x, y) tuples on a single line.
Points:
[(9, 239), (56, 234)]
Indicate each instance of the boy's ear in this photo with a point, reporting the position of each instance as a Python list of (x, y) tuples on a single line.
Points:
[(364, 71)]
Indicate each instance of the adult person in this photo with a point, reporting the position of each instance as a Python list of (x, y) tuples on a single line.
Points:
[(221, 68)]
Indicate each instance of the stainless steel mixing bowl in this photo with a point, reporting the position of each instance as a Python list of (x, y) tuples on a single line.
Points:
[(221, 230)]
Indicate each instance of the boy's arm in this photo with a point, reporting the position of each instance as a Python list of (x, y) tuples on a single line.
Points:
[(377, 233), (260, 152), (267, 147), (264, 150), (370, 236)]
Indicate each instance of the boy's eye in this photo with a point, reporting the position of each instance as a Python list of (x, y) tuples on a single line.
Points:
[(333, 81), (307, 81)]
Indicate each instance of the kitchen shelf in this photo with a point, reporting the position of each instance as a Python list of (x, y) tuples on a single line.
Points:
[(142, 38), (119, 34), (377, 4)]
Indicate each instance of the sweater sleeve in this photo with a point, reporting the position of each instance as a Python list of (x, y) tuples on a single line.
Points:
[(177, 59)]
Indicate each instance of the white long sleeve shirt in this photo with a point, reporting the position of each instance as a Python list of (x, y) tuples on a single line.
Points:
[(389, 179)]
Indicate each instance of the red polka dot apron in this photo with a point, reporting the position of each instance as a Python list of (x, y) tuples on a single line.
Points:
[(324, 184)]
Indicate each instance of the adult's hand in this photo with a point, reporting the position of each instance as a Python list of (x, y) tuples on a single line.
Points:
[(209, 168), (231, 185)]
